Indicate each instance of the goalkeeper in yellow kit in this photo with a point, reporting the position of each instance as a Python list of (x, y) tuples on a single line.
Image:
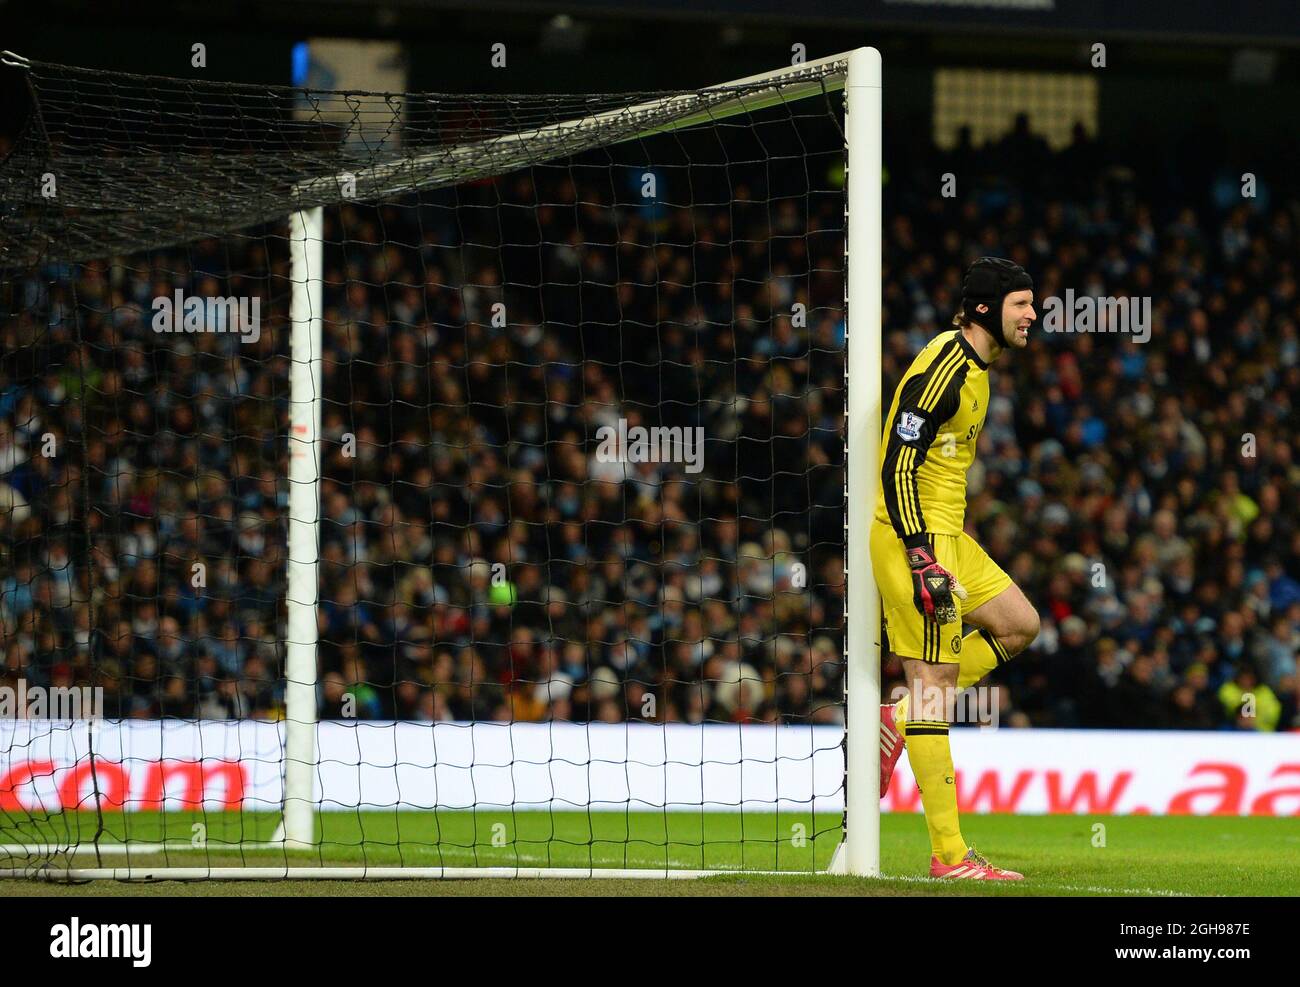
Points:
[(932, 576)]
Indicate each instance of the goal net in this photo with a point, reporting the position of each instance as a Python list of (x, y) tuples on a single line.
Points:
[(431, 485)]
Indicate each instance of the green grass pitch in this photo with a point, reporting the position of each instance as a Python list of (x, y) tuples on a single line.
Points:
[(1060, 855)]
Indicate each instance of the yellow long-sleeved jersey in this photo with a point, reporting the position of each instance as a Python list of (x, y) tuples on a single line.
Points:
[(929, 438)]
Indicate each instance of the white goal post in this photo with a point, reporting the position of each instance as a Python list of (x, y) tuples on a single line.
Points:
[(860, 853), (859, 74)]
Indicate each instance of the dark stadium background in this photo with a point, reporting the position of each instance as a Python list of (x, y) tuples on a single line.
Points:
[(1128, 454)]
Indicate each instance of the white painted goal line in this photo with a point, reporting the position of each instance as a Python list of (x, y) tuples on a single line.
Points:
[(355, 873), (147, 849), (675, 870), (137, 873), (33, 849)]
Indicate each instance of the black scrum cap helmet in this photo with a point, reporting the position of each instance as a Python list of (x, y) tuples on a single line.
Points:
[(988, 281)]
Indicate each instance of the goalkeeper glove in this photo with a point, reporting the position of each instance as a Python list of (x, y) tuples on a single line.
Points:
[(933, 586)]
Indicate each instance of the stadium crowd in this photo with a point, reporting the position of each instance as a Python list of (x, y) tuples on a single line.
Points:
[(482, 559)]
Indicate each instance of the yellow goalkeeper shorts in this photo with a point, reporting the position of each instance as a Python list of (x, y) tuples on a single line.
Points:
[(910, 634)]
